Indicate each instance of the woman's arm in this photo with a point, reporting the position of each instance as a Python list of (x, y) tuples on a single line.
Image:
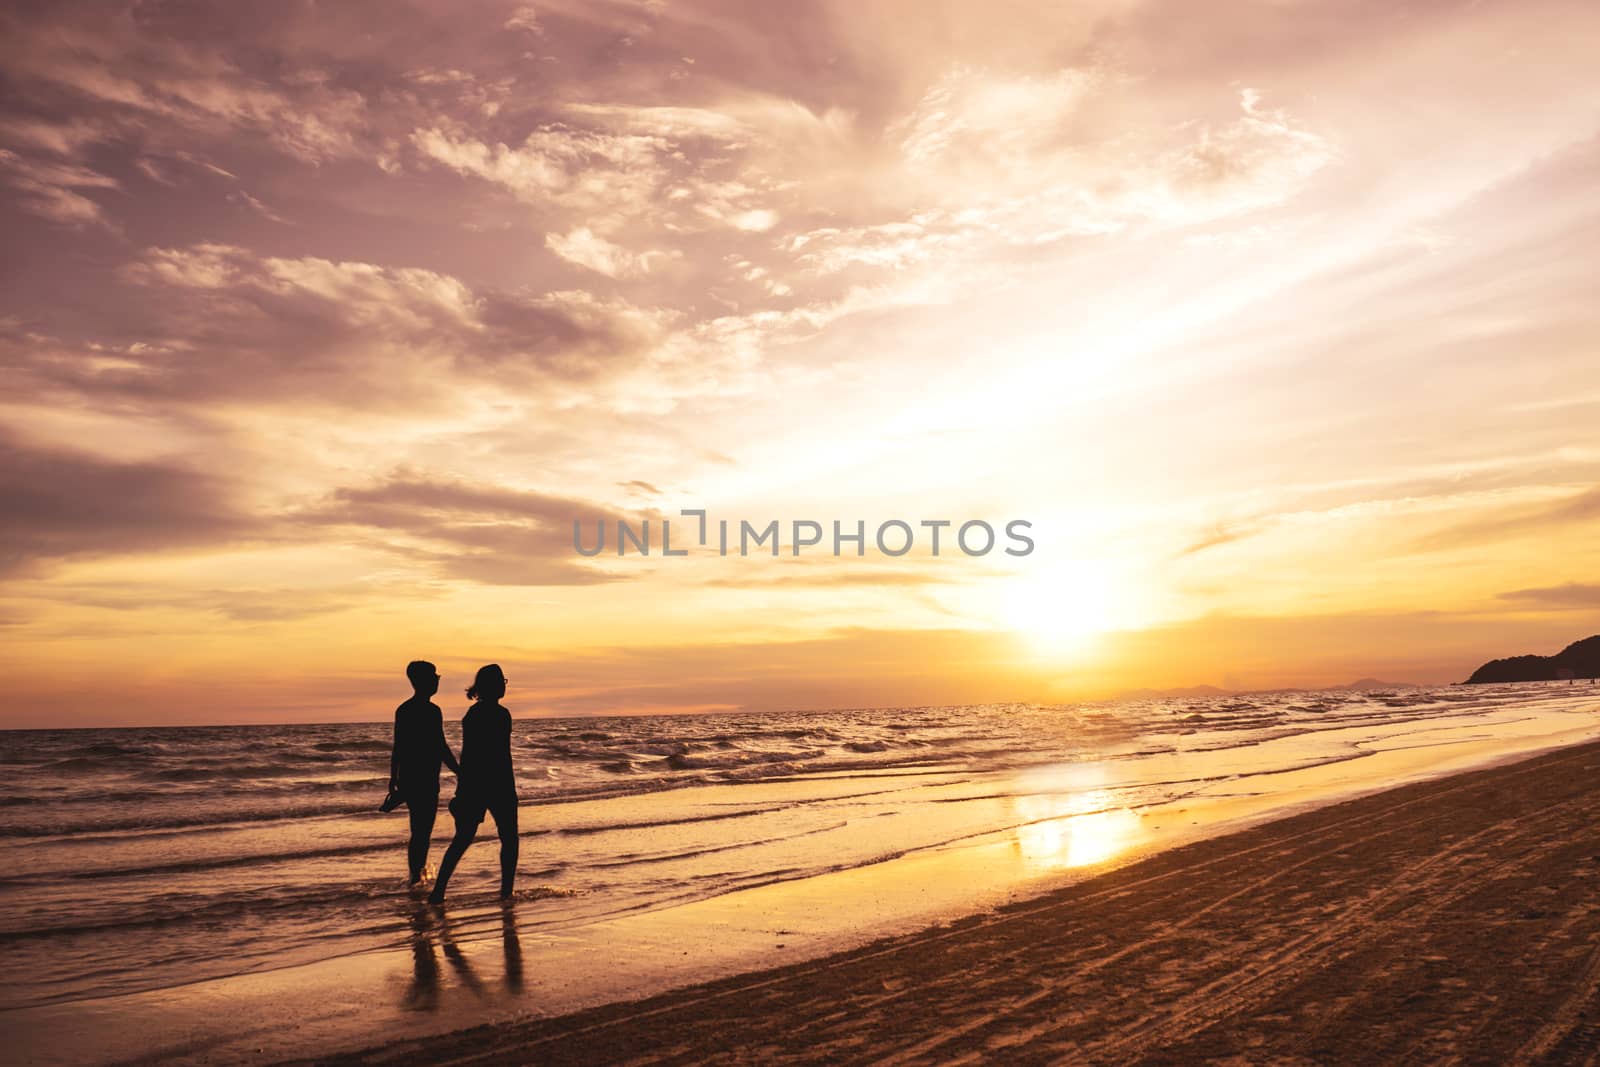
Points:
[(444, 749)]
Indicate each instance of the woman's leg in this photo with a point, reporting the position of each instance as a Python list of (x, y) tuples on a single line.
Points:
[(465, 831), (505, 824)]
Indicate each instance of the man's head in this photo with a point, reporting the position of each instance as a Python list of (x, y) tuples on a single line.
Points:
[(424, 677)]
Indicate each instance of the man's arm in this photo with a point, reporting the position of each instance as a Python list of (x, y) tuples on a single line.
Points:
[(394, 754), (444, 748)]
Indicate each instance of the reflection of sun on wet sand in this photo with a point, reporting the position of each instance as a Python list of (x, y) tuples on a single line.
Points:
[(1075, 831), (1452, 919)]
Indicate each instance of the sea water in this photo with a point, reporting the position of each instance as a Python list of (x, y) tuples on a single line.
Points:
[(146, 859)]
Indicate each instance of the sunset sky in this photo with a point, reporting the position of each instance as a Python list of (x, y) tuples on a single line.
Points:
[(322, 321)]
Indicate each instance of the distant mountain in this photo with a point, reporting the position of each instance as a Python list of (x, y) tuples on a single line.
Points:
[(1363, 684), (1192, 691), (1172, 694), (1581, 659)]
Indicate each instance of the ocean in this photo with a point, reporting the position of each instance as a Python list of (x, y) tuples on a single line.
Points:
[(147, 859)]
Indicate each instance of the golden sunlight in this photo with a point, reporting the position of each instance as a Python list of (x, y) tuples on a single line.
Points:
[(1086, 833), (1063, 612)]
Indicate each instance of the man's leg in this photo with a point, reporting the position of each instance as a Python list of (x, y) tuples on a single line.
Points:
[(424, 808)]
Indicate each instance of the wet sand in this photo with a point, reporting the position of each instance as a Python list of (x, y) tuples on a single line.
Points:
[(1451, 920)]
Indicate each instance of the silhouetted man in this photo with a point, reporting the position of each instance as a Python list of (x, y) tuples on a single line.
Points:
[(419, 748)]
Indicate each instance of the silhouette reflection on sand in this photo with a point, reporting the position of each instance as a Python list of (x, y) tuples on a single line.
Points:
[(431, 935)]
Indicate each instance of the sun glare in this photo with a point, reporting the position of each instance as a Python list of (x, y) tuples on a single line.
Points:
[(1079, 830), (1063, 611)]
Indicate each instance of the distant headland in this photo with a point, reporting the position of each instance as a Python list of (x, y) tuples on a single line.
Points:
[(1581, 659)]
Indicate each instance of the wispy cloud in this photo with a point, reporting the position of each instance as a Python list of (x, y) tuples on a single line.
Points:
[(478, 533), (57, 191), (1573, 596), (57, 504), (1519, 521)]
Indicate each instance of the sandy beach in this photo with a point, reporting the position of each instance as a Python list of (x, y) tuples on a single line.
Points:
[(1243, 884), (1452, 920)]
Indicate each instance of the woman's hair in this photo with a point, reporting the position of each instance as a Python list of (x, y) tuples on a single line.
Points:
[(489, 679)]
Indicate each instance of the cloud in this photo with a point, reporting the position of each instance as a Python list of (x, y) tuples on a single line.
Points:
[(64, 138), (525, 18), (1572, 596), (58, 504), (393, 342), (588, 249), (241, 603), (1225, 533), (300, 329), (480, 533), (202, 266), (614, 167), (258, 207), (841, 668), (1258, 160), (612, 177), (51, 190), (134, 70), (1580, 507), (405, 494), (988, 164), (991, 120), (895, 245), (841, 576)]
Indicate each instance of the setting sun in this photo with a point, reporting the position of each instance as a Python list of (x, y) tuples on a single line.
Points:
[(1064, 611)]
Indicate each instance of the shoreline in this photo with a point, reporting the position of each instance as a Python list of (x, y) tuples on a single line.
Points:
[(1464, 897), (476, 963)]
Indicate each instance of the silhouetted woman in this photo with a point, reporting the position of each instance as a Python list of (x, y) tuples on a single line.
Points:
[(486, 781)]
